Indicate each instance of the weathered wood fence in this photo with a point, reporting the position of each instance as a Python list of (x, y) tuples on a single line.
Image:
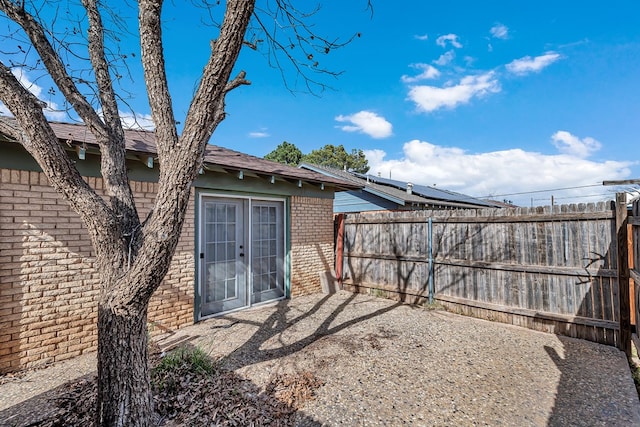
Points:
[(634, 270), (554, 270)]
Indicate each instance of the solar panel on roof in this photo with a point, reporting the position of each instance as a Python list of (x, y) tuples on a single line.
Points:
[(426, 191)]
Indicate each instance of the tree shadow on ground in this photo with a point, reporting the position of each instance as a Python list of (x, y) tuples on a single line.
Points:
[(281, 321), (42, 410), (593, 388), (599, 395)]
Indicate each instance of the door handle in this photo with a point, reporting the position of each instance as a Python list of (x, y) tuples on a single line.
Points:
[(241, 254)]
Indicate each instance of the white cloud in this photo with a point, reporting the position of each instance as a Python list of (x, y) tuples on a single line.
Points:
[(445, 58), (572, 145), (428, 72), (496, 173), (368, 123), (500, 31), (528, 64), (421, 37), (451, 38), (431, 98), (136, 121), (469, 60), (259, 134)]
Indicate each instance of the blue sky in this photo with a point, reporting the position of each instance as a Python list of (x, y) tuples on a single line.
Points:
[(486, 98)]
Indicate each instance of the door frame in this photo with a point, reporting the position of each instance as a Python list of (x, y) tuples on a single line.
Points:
[(199, 235)]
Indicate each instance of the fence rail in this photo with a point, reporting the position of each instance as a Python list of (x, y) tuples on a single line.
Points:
[(554, 270)]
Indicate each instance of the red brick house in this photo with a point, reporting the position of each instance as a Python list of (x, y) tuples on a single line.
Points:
[(256, 232)]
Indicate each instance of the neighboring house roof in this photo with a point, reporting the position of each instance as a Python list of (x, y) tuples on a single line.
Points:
[(396, 191), (142, 142), (430, 192)]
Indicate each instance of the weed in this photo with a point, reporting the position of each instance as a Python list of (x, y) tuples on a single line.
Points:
[(378, 293), (184, 361), (435, 305)]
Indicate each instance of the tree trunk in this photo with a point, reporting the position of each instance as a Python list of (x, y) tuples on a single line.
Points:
[(124, 390)]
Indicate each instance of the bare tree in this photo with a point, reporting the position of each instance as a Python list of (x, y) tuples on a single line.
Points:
[(133, 255)]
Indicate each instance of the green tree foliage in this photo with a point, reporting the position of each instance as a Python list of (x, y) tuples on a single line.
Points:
[(337, 157), (286, 153)]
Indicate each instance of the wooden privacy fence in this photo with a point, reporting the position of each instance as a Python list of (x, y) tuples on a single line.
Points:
[(634, 271), (554, 270)]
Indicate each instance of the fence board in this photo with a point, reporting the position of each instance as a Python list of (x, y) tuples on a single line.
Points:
[(559, 261)]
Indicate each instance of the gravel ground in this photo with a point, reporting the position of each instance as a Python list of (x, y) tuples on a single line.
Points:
[(388, 364)]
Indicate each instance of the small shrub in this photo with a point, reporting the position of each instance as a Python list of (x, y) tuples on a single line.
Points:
[(185, 361)]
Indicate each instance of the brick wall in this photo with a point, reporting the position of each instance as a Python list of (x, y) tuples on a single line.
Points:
[(311, 243), (48, 285)]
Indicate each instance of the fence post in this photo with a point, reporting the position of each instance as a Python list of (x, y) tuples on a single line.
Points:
[(339, 248), (430, 249), (623, 274)]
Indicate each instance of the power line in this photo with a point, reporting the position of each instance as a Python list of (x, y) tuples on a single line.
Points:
[(606, 195), (541, 191)]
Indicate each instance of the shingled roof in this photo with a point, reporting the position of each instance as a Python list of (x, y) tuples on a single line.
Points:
[(142, 142)]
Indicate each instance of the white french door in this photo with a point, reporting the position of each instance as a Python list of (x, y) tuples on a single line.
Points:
[(222, 254), (241, 258)]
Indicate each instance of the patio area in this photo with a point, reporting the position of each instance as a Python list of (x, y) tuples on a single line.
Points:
[(384, 363)]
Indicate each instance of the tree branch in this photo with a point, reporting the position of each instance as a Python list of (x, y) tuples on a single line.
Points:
[(239, 80), (160, 234), (100, 65), (110, 137), (112, 145), (286, 30), (54, 65), (155, 77), (40, 141), (218, 69)]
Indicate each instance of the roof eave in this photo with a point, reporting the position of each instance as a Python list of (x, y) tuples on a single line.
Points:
[(70, 135)]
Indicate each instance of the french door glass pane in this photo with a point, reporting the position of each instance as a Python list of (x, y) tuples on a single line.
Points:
[(220, 254), (266, 247)]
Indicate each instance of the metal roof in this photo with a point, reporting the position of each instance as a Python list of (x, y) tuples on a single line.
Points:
[(430, 192), (398, 193)]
